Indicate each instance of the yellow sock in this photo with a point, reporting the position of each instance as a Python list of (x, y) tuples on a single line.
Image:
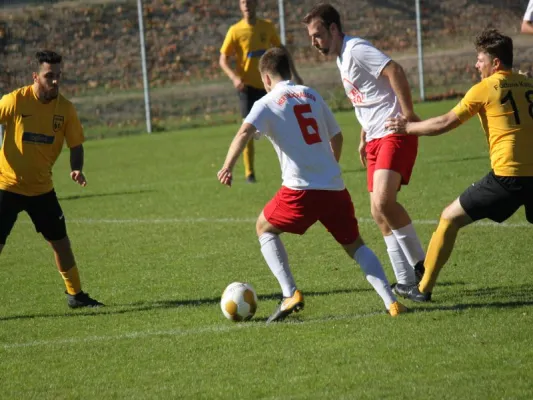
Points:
[(248, 157), (439, 250), (72, 280)]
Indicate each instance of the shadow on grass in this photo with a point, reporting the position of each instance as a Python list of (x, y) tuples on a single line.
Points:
[(516, 296), (88, 196), (470, 306), (146, 306)]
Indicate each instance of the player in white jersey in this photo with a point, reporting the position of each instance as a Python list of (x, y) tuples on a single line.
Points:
[(378, 89), (308, 142)]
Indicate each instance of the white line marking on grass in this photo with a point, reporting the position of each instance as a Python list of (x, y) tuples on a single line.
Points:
[(252, 220), (178, 332), (229, 327)]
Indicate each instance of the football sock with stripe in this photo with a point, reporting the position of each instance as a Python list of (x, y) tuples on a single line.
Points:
[(72, 280)]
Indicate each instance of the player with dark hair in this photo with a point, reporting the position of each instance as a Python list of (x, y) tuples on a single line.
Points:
[(308, 142), (378, 89), (504, 102), (38, 121)]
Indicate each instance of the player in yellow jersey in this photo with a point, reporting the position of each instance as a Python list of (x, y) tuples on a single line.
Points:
[(38, 119), (248, 40), (504, 102)]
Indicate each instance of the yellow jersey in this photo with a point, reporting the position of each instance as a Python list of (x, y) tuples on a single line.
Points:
[(249, 43), (33, 140), (504, 102)]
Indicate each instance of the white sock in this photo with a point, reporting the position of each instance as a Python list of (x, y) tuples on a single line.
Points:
[(404, 272), (410, 244), (374, 273), (276, 257)]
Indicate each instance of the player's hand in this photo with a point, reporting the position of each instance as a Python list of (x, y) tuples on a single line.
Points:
[(238, 84), (362, 152), (78, 177), (397, 125), (225, 176)]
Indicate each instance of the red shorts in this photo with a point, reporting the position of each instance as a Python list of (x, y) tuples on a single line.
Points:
[(294, 211), (396, 152)]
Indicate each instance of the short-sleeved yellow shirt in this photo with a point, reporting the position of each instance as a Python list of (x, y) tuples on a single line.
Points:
[(249, 43), (504, 102), (33, 140)]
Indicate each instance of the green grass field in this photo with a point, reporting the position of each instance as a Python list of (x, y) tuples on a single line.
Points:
[(157, 239)]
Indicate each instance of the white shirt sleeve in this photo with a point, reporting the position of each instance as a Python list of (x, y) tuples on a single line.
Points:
[(369, 58), (258, 117), (528, 16), (330, 121)]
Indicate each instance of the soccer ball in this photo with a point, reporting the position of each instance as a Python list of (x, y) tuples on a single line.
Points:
[(239, 301)]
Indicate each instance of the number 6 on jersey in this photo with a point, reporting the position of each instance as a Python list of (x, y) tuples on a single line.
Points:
[(308, 125)]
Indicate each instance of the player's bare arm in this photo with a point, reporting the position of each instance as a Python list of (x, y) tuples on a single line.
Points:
[(362, 148), (527, 27), (399, 83), (336, 145), (245, 133), (429, 127), (295, 76), (236, 79), (76, 165)]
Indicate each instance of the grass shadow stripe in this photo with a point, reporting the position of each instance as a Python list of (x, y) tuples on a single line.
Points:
[(140, 306)]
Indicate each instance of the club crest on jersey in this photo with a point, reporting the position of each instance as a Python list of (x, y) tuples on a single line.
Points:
[(353, 93), (58, 122)]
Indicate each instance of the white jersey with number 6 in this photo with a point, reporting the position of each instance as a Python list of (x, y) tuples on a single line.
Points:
[(371, 94), (299, 124)]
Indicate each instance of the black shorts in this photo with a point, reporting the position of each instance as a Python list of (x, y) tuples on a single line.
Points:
[(498, 197), (44, 210), (248, 97)]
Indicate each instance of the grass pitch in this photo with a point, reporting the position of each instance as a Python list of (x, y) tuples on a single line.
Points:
[(157, 239)]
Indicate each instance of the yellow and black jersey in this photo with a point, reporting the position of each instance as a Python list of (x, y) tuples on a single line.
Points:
[(504, 102), (33, 140), (248, 43)]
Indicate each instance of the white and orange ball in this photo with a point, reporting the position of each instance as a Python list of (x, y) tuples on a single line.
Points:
[(239, 301)]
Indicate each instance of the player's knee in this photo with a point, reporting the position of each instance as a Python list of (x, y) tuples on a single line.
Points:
[(383, 206), (261, 225), (455, 215), (60, 245), (375, 213), (351, 248), (450, 222), (447, 215)]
